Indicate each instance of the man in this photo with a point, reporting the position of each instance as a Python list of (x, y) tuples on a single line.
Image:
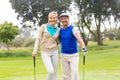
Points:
[(69, 37)]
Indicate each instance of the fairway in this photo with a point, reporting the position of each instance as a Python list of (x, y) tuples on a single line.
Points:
[(101, 64), (104, 65)]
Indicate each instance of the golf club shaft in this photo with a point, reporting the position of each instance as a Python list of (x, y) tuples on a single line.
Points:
[(34, 68), (83, 67), (34, 61), (83, 59)]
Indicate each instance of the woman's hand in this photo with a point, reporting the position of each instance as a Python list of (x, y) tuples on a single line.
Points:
[(34, 54)]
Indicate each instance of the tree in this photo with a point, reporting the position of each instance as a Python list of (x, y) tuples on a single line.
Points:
[(97, 11), (8, 32), (112, 33), (118, 34), (36, 11)]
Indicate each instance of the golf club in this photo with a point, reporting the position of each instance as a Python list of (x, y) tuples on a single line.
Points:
[(34, 68), (83, 67)]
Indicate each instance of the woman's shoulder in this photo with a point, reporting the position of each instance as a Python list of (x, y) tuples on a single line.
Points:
[(44, 25)]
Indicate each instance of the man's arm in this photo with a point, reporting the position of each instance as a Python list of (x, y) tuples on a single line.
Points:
[(80, 40)]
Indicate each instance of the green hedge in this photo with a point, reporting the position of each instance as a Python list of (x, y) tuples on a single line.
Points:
[(23, 52), (15, 53)]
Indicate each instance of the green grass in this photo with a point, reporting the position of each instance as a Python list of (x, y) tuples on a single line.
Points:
[(19, 68), (102, 63)]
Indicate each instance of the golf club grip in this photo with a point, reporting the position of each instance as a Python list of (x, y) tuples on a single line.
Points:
[(34, 61), (83, 59)]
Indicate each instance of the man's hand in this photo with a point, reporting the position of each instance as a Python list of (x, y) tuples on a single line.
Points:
[(34, 54), (84, 51)]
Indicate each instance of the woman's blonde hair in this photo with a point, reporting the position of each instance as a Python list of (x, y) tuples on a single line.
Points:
[(53, 13)]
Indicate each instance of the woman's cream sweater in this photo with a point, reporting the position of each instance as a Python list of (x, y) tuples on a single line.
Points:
[(45, 40)]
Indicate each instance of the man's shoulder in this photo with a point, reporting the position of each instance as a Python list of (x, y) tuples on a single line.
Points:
[(61, 28), (73, 25)]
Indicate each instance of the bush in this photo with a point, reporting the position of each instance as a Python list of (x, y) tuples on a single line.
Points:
[(16, 53), (22, 42)]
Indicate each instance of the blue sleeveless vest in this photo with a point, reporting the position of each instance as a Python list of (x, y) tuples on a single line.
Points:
[(68, 41)]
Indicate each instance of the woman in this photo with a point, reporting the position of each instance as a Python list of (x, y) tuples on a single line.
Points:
[(47, 38)]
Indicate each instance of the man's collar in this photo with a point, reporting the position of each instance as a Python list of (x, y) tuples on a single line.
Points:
[(67, 26)]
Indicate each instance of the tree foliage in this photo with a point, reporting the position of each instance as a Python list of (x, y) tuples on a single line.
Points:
[(8, 32), (36, 11), (97, 11), (112, 33)]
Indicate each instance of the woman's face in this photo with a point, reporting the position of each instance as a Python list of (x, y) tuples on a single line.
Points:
[(52, 19)]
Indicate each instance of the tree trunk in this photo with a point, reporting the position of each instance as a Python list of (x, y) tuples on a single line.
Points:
[(7, 46), (99, 39)]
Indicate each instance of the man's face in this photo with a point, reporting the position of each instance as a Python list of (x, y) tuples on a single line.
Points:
[(64, 20)]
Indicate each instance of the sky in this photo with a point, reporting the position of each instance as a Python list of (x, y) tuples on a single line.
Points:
[(7, 13)]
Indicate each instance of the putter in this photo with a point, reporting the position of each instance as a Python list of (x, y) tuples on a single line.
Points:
[(83, 67), (34, 68)]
